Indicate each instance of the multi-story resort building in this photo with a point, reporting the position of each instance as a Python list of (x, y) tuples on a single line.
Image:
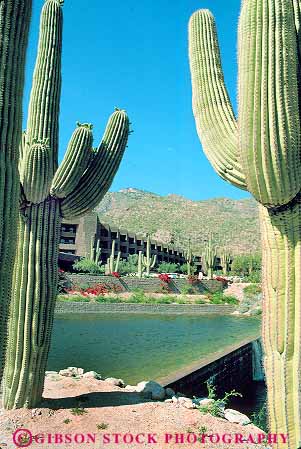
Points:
[(77, 234)]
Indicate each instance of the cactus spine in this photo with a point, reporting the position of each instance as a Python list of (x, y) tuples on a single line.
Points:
[(49, 193), (14, 26), (112, 265), (148, 260), (260, 152), (225, 261), (95, 251), (210, 257)]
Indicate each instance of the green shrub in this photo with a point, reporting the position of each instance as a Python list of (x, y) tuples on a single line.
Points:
[(187, 290), (220, 298), (167, 267), (253, 289), (184, 268), (85, 265), (128, 266), (246, 265), (215, 408), (260, 419), (108, 300), (138, 296)]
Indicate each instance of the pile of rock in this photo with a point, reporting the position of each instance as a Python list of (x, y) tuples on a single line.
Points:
[(154, 391)]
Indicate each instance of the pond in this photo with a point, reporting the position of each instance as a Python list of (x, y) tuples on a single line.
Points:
[(140, 347)]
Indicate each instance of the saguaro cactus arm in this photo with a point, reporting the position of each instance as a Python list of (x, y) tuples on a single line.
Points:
[(75, 162), (98, 177), (47, 79), (215, 120)]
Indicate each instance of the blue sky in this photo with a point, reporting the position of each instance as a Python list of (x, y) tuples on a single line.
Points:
[(134, 55)]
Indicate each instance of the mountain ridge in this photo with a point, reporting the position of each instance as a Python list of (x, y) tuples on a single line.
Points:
[(172, 218)]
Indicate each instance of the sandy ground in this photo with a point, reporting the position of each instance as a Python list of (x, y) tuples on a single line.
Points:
[(112, 410)]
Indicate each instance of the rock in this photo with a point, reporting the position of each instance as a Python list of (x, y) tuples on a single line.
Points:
[(36, 412), (151, 390), (175, 399), (130, 388), (71, 371), (186, 402), (116, 382), (169, 392), (51, 373), (92, 375), (203, 402), (169, 401), (236, 417)]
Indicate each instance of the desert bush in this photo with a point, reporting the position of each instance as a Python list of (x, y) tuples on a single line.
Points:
[(167, 267), (85, 265)]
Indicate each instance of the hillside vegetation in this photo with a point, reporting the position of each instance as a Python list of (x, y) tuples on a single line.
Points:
[(174, 219)]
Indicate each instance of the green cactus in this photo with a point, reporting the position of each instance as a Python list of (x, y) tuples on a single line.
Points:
[(148, 260), (48, 194), (141, 268), (95, 251), (209, 257), (225, 261), (14, 26), (189, 258), (112, 265), (260, 152)]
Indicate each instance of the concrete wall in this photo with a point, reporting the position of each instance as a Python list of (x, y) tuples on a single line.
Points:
[(165, 309), (227, 371), (145, 284)]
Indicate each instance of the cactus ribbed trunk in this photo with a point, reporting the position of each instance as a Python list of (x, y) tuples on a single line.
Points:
[(262, 152), (14, 27), (85, 176), (281, 320), (35, 281)]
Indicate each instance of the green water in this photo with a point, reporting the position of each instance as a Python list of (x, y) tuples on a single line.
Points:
[(139, 347)]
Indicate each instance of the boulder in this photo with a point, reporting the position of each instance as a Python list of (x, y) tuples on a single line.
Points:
[(203, 402), (236, 417), (169, 392), (71, 371), (186, 402), (92, 375), (151, 390), (51, 373), (116, 382)]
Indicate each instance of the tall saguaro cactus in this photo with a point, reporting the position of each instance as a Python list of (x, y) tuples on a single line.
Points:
[(189, 258), (14, 27), (49, 193), (210, 257), (148, 260), (260, 152)]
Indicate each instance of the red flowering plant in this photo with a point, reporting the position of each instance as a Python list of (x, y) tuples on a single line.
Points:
[(95, 290), (224, 281), (116, 274), (164, 278)]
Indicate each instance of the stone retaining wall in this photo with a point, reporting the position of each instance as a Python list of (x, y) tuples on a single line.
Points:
[(150, 285), (230, 370), (166, 309)]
